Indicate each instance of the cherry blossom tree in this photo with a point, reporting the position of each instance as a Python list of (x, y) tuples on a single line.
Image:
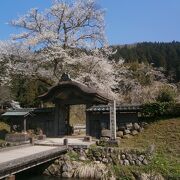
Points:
[(61, 36), (76, 23), (14, 58), (138, 83)]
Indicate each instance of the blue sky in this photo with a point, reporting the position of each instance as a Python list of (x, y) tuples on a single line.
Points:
[(127, 21)]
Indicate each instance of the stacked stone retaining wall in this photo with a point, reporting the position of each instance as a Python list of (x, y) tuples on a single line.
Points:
[(75, 161)]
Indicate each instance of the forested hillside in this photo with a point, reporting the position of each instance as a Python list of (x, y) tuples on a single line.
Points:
[(166, 55)]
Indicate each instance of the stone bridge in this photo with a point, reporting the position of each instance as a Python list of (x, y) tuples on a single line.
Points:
[(17, 159)]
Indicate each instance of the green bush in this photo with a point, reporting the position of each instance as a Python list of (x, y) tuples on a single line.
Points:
[(160, 110), (166, 94), (4, 129)]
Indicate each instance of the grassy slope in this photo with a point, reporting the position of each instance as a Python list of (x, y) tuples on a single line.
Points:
[(165, 135)]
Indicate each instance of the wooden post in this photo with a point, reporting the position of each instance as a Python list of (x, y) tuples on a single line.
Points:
[(24, 125), (42, 104), (65, 142), (59, 121), (10, 177), (25, 129), (88, 120), (113, 120), (87, 124), (32, 141), (67, 120)]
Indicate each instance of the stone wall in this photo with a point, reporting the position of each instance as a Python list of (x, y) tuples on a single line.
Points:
[(70, 167), (126, 130), (116, 156), (95, 162), (16, 137), (130, 129)]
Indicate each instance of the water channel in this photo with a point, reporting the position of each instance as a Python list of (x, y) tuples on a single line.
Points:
[(36, 173)]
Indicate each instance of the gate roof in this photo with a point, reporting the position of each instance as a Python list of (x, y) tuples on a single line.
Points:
[(71, 92)]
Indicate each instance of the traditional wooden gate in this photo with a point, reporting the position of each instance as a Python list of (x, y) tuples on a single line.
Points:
[(68, 92)]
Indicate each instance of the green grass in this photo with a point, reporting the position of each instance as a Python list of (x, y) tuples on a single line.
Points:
[(73, 155), (165, 135)]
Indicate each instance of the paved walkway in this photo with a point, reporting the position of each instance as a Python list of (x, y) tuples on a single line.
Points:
[(59, 142), (19, 159), (10, 155), (16, 159), (43, 146)]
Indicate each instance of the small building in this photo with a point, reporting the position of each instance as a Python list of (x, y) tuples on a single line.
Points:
[(98, 117), (17, 118), (31, 118)]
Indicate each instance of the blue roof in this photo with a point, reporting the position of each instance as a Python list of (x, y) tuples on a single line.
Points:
[(18, 112), (13, 113), (120, 108), (26, 111)]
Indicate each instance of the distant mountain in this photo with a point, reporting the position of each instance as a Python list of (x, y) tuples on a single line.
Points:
[(159, 54)]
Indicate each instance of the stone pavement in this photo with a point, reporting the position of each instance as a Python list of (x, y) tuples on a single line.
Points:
[(59, 142)]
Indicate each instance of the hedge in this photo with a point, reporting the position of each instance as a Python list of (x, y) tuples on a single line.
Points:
[(160, 110)]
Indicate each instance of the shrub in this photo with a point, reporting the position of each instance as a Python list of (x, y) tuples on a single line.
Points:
[(160, 109), (4, 129), (166, 94)]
